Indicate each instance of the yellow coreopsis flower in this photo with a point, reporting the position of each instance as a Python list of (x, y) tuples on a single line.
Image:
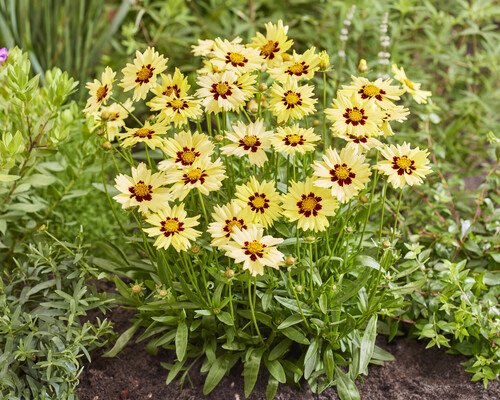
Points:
[(176, 109), (360, 144), (226, 219), (294, 139), (184, 149), (219, 92), (149, 134), (141, 75), (301, 66), (409, 86), (176, 85), (345, 174), (254, 250), (353, 116), (273, 44), (262, 199), (204, 175), (173, 227), (380, 90), (309, 205), (404, 165), (235, 57), (291, 101), (397, 113), (99, 91), (251, 140), (142, 189)]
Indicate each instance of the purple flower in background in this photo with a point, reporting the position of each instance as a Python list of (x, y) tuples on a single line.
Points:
[(4, 53)]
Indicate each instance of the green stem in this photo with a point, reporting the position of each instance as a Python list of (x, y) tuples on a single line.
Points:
[(252, 305), (297, 298), (203, 207), (128, 112), (397, 215), (324, 108), (382, 218), (209, 124), (375, 178)]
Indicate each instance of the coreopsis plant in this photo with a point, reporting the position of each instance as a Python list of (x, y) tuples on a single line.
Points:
[(263, 233)]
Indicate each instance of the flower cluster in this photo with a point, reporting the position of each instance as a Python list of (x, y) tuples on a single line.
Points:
[(190, 168)]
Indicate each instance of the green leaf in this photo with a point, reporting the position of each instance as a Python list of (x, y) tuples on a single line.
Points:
[(408, 288), (181, 340), (311, 357), (217, 370), (295, 335), (291, 320), (40, 180), (346, 388), (367, 261), (367, 345), (292, 305), (381, 355), (323, 303), (225, 318), (491, 279), (174, 370), (272, 388), (280, 349), (329, 363), (266, 299), (251, 369), (123, 340), (276, 370), (347, 291)]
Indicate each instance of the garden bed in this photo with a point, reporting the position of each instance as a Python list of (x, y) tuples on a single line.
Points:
[(416, 374)]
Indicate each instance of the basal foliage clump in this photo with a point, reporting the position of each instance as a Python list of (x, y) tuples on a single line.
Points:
[(259, 233)]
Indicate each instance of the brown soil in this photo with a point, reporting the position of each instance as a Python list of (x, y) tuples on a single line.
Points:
[(416, 374)]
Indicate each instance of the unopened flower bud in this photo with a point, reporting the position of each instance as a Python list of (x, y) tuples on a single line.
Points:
[(334, 287), (316, 122), (107, 146), (99, 132), (229, 273), (386, 244), (362, 66), (162, 293), (310, 239), (286, 56), (253, 107), (349, 229), (42, 228), (262, 86), (218, 138), (290, 260), (299, 288), (105, 115), (216, 310), (324, 60), (136, 289), (195, 249), (211, 55), (363, 199)]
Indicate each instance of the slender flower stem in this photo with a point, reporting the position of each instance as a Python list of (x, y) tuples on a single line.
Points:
[(128, 112), (397, 215), (246, 115), (209, 124), (203, 207), (311, 271), (219, 128), (252, 305), (324, 108), (296, 298), (382, 218), (147, 155), (109, 197), (198, 126)]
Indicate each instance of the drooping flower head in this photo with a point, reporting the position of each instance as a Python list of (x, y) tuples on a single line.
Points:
[(148, 134), (219, 92), (309, 205), (254, 250), (251, 140), (142, 189), (354, 116), (273, 44), (184, 149), (291, 101), (226, 219), (380, 90), (345, 174), (173, 227), (235, 57), (99, 91), (114, 117), (404, 165), (204, 175), (409, 86), (294, 139), (300, 66), (262, 199), (141, 75)]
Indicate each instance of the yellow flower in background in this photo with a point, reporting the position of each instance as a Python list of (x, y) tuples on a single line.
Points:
[(184, 149), (409, 86), (115, 116), (204, 175), (404, 165), (176, 109), (380, 90), (397, 113), (226, 219), (173, 227), (149, 134), (301, 66), (360, 144), (273, 44), (235, 57), (219, 92), (262, 199), (176, 85), (345, 174), (246, 83), (294, 139), (204, 47), (254, 250), (250, 140), (291, 101), (353, 116), (142, 189), (324, 60), (99, 91), (309, 205), (141, 75)]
